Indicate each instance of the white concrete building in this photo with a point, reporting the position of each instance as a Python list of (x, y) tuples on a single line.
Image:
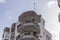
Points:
[(30, 26), (6, 34)]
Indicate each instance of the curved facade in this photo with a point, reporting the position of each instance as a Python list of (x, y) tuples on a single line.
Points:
[(30, 26), (6, 34)]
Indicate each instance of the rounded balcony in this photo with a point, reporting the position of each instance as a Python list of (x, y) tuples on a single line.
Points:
[(29, 26), (28, 37)]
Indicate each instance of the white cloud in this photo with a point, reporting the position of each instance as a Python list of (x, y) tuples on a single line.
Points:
[(9, 17), (2, 1), (51, 4)]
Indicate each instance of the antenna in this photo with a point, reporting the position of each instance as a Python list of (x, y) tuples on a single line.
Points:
[(34, 5)]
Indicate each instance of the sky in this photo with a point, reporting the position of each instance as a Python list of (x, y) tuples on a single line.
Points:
[(11, 9)]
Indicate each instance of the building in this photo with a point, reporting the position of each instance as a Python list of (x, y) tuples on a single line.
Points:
[(6, 34), (59, 17), (30, 26), (58, 3)]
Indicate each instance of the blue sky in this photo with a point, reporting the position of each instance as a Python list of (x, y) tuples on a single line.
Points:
[(11, 9)]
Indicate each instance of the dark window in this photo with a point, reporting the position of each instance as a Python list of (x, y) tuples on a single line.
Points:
[(5, 39), (33, 20), (47, 37), (28, 33), (25, 33), (3, 36), (34, 33), (40, 36), (37, 25), (18, 25), (12, 30), (26, 21), (18, 37)]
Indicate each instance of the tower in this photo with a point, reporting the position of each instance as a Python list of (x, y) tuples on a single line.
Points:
[(12, 31), (31, 26), (6, 34)]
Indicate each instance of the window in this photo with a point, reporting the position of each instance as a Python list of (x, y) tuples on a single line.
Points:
[(47, 37), (12, 30), (40, 36), (34, 33), (33, 20), (5, 39), (27, 21), (12, 35), (37, 25), (3, 36), (18, 37), (18, 25), (27, 33)]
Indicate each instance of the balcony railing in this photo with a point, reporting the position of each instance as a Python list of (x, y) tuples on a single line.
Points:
[(24, 37), (29, 25)]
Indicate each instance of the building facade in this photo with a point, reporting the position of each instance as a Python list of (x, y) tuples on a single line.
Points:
[(30, 26), (59, 12), (58, 3)]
